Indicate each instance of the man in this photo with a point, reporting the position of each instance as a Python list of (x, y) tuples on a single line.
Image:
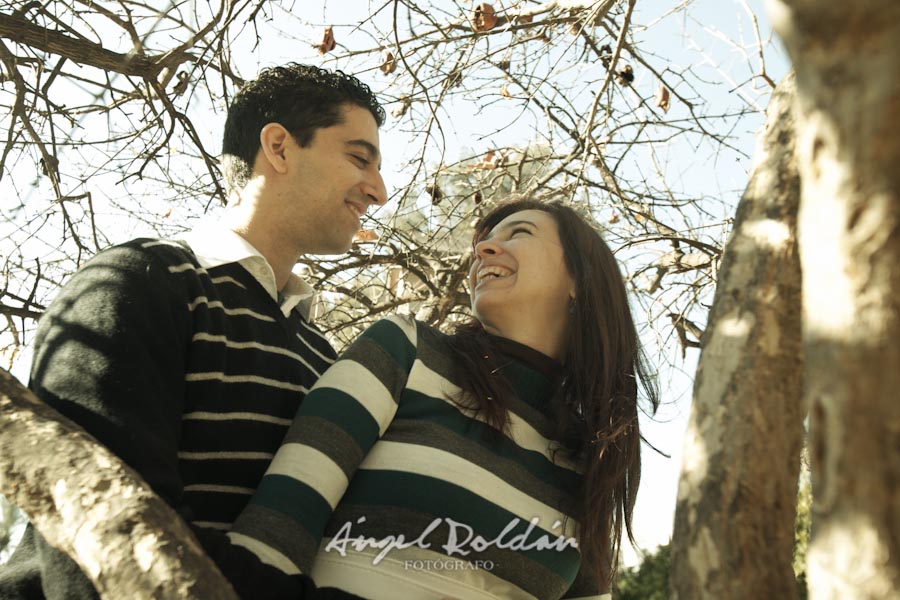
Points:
[(189, 358)]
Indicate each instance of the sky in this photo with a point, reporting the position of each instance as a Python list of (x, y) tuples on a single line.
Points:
[(699, 39)]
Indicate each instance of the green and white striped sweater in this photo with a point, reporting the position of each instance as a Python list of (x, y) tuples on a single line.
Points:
[(379, 450)]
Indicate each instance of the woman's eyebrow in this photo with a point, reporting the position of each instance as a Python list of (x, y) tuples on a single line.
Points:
[(508, 226), (521, 222)]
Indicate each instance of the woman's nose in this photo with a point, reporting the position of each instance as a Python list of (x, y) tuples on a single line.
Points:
[(486, 248)]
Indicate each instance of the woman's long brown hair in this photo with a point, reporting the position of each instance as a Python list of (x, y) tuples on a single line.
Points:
[(596, 406)]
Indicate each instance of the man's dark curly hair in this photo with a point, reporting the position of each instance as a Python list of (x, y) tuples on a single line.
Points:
[(302, 98)]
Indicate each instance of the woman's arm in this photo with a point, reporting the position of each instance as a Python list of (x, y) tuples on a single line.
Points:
[(586, 587), (337, 424)]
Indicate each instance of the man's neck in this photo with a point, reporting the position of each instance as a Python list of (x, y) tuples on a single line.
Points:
[(279, 254)]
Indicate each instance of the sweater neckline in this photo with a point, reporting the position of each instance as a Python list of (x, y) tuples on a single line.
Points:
[(540, 362)]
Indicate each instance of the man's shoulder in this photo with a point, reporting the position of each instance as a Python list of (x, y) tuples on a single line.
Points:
[(166, 250), (146, 255), (139, 265)]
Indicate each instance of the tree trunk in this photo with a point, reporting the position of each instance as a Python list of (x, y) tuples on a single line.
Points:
[(734, 520), (88, 503), (848, 91)]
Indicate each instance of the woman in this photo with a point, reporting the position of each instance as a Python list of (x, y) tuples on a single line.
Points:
[(423, 465)]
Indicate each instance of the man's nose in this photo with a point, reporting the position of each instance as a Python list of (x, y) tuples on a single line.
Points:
[(375, 190)]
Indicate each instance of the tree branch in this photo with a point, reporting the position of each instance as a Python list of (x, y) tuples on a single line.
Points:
[(87, 502), (22, 31)]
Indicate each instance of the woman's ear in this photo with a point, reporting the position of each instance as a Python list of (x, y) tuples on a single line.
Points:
[(273, 138)]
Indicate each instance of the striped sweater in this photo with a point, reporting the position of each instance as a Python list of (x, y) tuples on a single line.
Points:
[(380, 449), (191, 376)]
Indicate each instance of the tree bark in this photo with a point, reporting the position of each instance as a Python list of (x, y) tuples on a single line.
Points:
[(848, 92), (89, 504), (737, 494)]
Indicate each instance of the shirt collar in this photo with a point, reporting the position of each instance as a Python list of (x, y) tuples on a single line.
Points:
[(215, 245)]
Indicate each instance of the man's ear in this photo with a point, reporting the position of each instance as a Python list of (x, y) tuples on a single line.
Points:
[(273, 139)]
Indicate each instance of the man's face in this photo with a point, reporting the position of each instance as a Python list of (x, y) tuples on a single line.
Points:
[(332, 182)]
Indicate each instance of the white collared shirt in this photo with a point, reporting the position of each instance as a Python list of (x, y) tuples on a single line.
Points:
[(216, 245)]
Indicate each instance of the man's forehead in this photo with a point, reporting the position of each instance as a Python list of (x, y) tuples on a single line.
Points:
[(356, 116)]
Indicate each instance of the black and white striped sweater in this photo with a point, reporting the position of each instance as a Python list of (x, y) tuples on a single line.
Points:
[(190, 375)]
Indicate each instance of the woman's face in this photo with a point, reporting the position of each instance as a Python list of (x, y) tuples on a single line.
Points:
[(519, 277)]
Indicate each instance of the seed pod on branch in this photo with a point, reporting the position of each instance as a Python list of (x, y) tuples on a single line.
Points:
[(483, 17), (327, 44), (606, 55), (435, 192), (625, 76)]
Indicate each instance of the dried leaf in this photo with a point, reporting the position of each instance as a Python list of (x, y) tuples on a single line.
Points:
[(491, 160), (181, 85), (53, 166), (365, 235), (405, 103), (327, 44), (388, 62), (483, 17), (662, 98), (504, 91), (454, 79)]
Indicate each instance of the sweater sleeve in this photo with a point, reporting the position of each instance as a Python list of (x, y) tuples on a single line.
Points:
[(110, 355), (339, 421)]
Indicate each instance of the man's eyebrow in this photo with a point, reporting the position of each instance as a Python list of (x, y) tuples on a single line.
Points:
[(370, 149)]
